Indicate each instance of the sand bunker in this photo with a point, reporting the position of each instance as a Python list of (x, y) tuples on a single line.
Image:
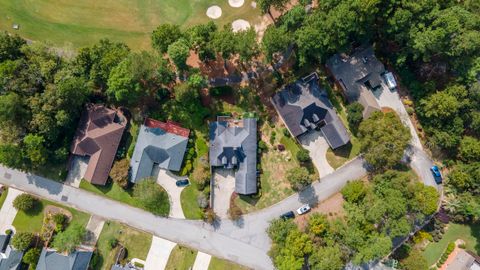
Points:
[(236, 3), (240, 25), (214, 12)]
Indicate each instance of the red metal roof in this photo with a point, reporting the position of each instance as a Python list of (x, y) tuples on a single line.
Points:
[(169, 126)]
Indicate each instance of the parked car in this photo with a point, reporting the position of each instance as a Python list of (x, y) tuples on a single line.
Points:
[(288, 215), (436, 174), (304, 209), (182, 183)]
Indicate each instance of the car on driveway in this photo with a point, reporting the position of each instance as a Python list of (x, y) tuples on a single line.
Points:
[(182, 183), (304, 209), (287, 215), (436, 174)]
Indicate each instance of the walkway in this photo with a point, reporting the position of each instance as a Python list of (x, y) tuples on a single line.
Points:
[(202, 261), (8, 212), (158, 254)]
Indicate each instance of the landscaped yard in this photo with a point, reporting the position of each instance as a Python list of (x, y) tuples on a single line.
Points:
[(468, 233), (339, 156), (181, 258), (70, 23), (3, 196), (137, 243), (190, 207), (33, 220), (220, 264)]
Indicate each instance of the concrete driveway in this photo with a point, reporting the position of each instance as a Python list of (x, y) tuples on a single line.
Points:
[(158, 254), (202, 261), (94, 228), (77, 171), (224, 186), (8, 212), (167, 180), (314, 142)]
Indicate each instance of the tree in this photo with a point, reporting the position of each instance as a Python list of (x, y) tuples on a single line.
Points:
[(68, 240), (266, 5), (11, 155), (318, 224), (186, 96), (279, 230), (201, 175), (224, 43), (165, 35), (122, 86), (354, 115), (425, 199), (200, 37), (12, 110), (24, 202), (383, 139), (31, 257), (415, 261), (246, 44), (275, 40), (178, 52), (197, 81), (10, 46), (35, 149), (119, 172), (299, 178), (377, 246), (303, 155), (354, 191), (152, 197), (469, 149), (22, 240), (327, 258)]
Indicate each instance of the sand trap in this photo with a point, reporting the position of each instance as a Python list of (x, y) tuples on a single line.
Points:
[(214, 12), (240, 25), (236, 3)]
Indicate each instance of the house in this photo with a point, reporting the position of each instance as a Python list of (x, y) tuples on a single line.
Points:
[(303, 106), (233, 146), (358, 75), (158, 144), (98, 136), (51, 260), (464, 260), (10, 259)]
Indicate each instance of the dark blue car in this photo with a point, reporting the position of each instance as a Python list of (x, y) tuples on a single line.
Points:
[(436, 174), (182, 183), (287, 215)]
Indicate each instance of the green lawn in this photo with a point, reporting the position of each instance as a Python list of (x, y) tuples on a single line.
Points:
[(469, 233), (190, 207), (339, 156), (137, 243), (73, 24), (220, 264), (3, 197), (115, 192), (181, 258), (33, 220)]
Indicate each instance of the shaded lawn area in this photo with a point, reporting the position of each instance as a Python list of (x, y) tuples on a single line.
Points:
[(33, 220), (137, 243), (53, 171), (341, 155), (3, 197), (181, 258), (117, 193), (188, 198), (221, 264), (469, 233)]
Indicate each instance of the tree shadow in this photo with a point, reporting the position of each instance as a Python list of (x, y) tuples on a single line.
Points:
[(475, 229), (36, 209)]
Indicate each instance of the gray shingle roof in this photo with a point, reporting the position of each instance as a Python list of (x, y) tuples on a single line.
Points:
[(156, 146), (358, 74), (304, 106), (235, 147), (13, 259), (51, 260)]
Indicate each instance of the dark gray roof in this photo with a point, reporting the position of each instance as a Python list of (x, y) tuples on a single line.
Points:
[(234, 146), (4, 240), (156, 146), (51, 260), (304, 106), (358, 74), (13, 259)]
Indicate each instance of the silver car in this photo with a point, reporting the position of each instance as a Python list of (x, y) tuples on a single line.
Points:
[(304, 209)]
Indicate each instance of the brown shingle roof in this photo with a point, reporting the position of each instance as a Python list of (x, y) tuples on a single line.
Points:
[(98, 135)]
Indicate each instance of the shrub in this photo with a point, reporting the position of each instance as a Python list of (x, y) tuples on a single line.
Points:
[(303, 155), (31, 257), (8, 232), (112, 242), (234, 212), (59, 218), (69, 239), (262, 146), (119, 172), (201, 176), (24, 202), (273, 137), (210, 216), (410, 110), (22, 240), (286, 133)]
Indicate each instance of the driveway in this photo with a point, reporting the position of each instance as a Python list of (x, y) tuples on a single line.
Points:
[(158, 254), (94, 228), (224, 186), (167, 180), (77, 171), (202, 261), (8, 212), (314, 142)]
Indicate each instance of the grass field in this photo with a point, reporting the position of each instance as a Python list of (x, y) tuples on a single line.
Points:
[(220, 264), (70, 23), (33, 220), (181, 258), (137, 243)]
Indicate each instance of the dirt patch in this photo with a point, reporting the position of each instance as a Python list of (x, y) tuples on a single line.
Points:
[(52, 210), (331, 207)]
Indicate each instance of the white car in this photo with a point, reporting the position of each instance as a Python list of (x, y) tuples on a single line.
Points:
[(304, 209)]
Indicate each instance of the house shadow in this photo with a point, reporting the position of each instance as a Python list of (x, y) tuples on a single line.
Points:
[(475, 229), (250, 199), (343, 151)]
